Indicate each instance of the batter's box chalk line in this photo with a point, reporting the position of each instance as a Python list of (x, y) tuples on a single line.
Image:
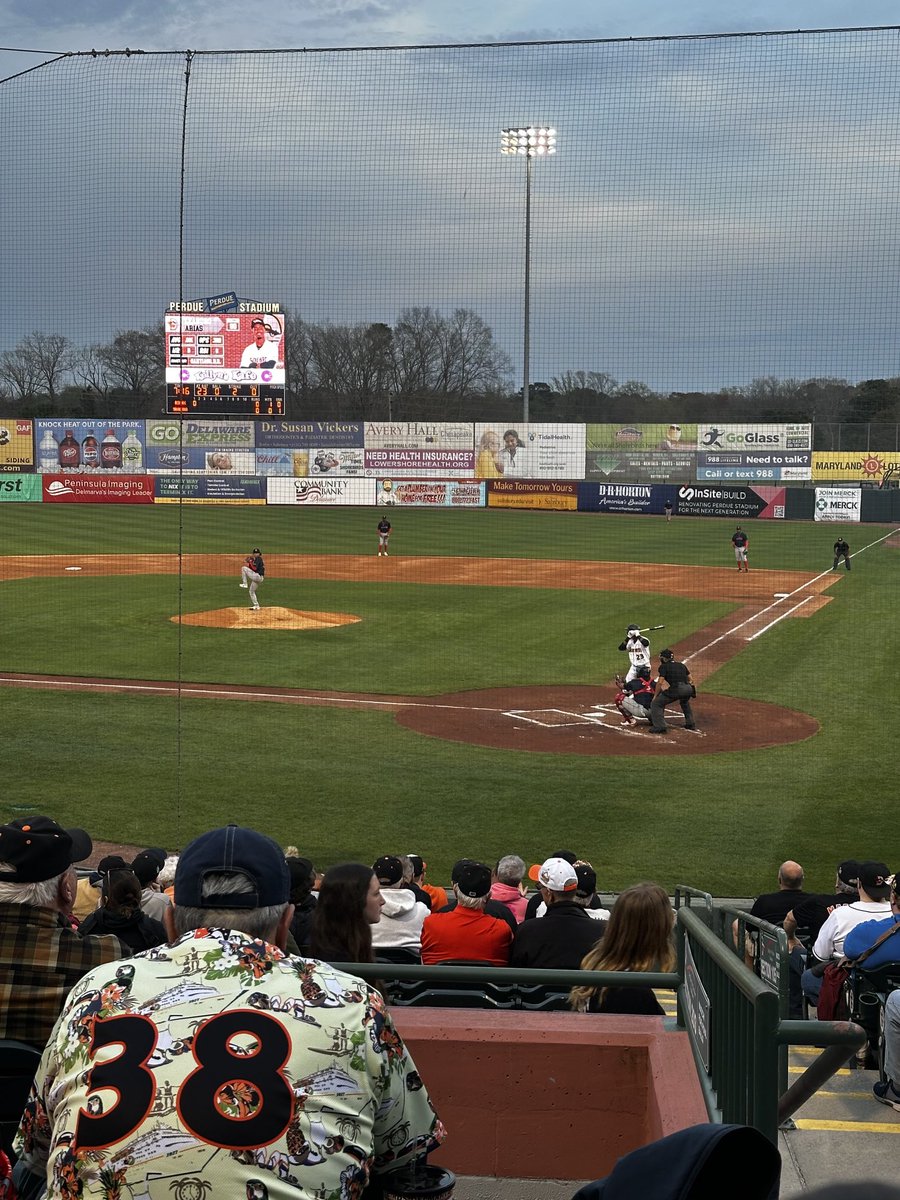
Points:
[(552, 718)]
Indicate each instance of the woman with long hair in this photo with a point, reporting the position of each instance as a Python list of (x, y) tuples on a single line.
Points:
[(120, 913), (638, 937), (349, 904)]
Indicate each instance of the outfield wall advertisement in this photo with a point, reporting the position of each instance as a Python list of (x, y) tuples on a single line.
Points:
[(790, 436), (97, 489), (16, 446), (838, 504), (870, 466), (21, 488), (529, 493), (320, 491), (745, 503), (621, 497), (755, 466), (209, 489)]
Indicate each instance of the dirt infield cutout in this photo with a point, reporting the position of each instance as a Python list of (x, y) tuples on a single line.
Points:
[(271, 617)]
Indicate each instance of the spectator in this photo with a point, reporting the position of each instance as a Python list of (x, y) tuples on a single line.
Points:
[(774, 906), (284, 1114), (147, 866), (585, 894), (535, 901), (400, 927), (886, 1091), (349, 904), (638, 938), (811, 911), (438, 894), (466, 931), (303, 876), (508, 887), (864, 935), (409, 881), (874, 890), (120, 913), (41, 958), (493, 908), (566, 933), (87, 894)]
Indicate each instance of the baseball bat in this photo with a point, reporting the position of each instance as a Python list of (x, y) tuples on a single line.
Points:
[(650, 628)]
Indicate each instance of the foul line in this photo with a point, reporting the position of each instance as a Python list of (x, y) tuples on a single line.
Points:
[(762, 612), (226, 694)]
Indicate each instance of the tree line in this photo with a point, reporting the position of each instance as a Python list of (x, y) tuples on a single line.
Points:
[(425, 366)]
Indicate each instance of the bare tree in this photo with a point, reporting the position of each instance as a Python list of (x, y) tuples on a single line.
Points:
[(584, 381), (90, 370), (52, 358), (135, 360), (18, 373)]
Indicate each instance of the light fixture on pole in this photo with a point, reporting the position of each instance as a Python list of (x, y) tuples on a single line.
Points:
[(529, 142)]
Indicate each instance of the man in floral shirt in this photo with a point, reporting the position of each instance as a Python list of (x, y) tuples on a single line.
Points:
[(219, 1066)]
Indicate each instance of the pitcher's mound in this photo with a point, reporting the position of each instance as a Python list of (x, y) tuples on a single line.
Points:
[(266, 618)]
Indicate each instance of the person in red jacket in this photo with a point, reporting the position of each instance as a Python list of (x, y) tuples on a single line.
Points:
[(466, 931)]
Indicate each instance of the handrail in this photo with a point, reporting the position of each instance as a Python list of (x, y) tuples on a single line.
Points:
[(746, 1036), (482, 973)]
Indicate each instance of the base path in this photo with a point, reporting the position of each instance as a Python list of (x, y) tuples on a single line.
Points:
[(562, 719)]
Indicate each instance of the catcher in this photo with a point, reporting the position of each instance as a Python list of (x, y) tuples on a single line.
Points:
[(637, 648), (634, 696)]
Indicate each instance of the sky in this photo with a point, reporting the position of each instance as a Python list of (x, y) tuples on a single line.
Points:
[(720, 210), (228, 24)]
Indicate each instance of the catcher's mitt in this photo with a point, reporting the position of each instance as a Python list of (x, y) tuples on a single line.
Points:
[(619, 681)]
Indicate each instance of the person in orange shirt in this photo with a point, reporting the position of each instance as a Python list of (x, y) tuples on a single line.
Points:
[(438, 894), (466, 932)]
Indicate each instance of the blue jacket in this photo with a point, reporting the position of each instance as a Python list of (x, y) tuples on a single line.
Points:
[(862, 936)]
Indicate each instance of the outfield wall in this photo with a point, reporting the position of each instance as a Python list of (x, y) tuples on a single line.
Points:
[(743, 503)]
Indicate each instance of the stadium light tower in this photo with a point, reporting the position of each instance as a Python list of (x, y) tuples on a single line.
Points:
[(528, 142)]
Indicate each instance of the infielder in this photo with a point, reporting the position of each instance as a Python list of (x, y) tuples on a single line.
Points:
[(252, 573), (741, 542), (384, 532), (638, 650)]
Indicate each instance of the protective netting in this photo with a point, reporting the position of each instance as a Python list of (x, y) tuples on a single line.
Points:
[(720, 209)]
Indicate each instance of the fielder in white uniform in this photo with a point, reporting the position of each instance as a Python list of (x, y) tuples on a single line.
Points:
[(637, 648)]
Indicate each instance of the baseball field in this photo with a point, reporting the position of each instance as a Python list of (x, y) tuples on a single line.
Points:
[(455, 698)]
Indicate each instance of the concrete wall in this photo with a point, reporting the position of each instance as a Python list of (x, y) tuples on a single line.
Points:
[(550, 1096)]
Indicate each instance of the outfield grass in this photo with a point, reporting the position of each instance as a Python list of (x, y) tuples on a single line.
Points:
[(354, 784)]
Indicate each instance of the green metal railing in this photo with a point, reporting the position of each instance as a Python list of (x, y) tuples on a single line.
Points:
[(738, 1035)]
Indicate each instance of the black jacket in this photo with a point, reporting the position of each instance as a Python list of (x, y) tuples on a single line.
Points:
[(138, 932), (558, 940)]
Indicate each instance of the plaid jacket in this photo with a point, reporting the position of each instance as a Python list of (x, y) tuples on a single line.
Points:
[(40, 961)]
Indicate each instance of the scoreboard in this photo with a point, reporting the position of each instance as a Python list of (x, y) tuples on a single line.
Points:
[(224, 363), (225, 399)]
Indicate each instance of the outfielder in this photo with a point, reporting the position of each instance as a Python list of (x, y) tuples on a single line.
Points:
[(638, 650), (252, 573), (384, 533)]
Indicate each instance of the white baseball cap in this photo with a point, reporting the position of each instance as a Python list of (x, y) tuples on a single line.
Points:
[(557, 875)]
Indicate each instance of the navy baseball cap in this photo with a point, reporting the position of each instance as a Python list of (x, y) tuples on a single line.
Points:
[(36, 848), (233, 851)]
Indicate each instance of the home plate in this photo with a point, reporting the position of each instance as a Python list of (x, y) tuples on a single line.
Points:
[(73, 568), (781, 595)]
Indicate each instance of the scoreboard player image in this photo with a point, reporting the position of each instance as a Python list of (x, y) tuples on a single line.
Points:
[(264, 352)]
